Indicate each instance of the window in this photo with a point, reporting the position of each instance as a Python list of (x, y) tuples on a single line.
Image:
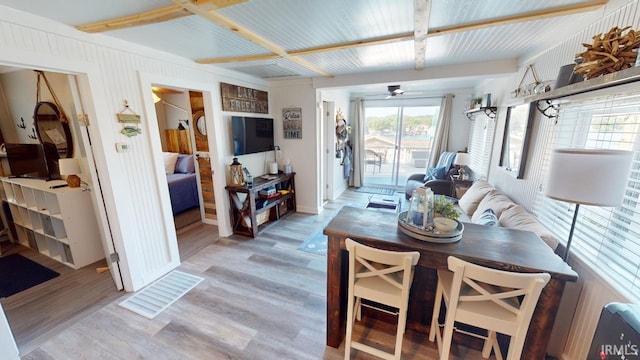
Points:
[(607, 239), (480, 145)]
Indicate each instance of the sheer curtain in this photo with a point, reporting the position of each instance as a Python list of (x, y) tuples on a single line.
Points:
[(441, 139), (357, 145)]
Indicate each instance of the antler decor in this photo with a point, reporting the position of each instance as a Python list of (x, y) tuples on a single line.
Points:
[(610, 52)]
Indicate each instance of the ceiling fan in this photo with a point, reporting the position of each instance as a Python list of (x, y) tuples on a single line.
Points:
[(392, 91)]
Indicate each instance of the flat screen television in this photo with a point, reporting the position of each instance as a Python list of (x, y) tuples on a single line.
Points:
[(38, 161), (251, 135)]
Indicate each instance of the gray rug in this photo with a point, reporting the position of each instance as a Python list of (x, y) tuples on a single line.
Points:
[(316, 243), (375, 190)]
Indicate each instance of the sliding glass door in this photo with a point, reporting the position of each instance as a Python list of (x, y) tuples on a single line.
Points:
[(397, 142)]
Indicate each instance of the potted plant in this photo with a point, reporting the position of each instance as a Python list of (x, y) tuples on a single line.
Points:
[(445, 208)]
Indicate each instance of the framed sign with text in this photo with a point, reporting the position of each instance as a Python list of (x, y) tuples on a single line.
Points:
[(242, 99), (292, 123)]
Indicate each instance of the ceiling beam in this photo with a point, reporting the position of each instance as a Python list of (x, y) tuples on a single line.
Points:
[(518, 18), (315, 50), (421, 11), (530, 16), (241, 31), (154, 16)]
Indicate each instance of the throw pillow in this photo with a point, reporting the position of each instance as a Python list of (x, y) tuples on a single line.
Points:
[(470, 200), (185, 164), (495, 200), (436, 173), (170, 160), (519, 218), (488, 218)]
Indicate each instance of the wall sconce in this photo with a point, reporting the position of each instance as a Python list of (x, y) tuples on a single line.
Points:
[(70, 168)]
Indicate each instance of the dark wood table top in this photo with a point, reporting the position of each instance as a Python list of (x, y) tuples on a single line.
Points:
[(495, 247)]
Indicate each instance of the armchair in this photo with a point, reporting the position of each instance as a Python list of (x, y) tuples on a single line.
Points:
[(438, 178)]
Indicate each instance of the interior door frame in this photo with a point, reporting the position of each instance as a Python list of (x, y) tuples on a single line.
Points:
[(208, 90), (86, 74), (78, 87)]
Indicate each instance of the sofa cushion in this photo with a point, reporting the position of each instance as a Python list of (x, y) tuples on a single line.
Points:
[(519, 218), (470, 200), (495, 200), (488, 218)]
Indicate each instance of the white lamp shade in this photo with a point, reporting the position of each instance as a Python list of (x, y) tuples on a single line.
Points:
[(69, 166), (589, 176), (462, 159)]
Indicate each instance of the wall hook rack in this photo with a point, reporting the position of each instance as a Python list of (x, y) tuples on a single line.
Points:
[(21, 124), (33, 135)]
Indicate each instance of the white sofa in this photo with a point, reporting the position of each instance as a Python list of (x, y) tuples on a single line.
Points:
[(481, 196)]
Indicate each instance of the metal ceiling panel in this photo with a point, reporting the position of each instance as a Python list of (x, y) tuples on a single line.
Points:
[(78, 12), (394, 56), (456, 12), (192, 37), (296, 24)]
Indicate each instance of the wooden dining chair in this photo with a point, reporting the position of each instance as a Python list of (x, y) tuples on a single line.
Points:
[(383, 277), (494, 300)]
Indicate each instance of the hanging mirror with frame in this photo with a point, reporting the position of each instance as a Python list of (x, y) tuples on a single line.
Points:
[(51, 129), (517, 136)]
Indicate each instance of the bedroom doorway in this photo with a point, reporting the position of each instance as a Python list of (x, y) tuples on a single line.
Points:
[(184, 141)]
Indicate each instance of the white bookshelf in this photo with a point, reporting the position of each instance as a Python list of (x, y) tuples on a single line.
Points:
[(59, 223)]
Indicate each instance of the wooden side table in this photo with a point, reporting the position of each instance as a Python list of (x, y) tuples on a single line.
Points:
[(460, 186)]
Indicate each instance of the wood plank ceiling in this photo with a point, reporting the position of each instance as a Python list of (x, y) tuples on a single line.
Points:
[(331, 37)]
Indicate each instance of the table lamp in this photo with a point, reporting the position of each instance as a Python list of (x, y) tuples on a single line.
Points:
[(70, 168), (462, 159), (594, 177)]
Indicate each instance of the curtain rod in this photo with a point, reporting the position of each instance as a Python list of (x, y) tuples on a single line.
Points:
[(408, 98)]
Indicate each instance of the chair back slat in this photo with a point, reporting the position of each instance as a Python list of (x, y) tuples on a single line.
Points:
[(509, 290)]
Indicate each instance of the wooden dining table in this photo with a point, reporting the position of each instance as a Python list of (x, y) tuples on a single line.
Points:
[(495, 247)]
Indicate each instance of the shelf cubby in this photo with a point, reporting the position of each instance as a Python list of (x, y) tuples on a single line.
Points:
[(58, 222)]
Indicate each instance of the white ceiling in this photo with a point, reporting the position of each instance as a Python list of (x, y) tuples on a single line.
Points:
[(293, 25)]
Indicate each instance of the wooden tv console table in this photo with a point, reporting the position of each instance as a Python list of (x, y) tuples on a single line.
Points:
[(247, 218)]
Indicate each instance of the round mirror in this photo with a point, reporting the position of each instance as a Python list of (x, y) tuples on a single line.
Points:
[(51, 129), (201, 127)]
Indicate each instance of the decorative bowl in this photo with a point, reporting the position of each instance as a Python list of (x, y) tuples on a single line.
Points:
[(444, 225)]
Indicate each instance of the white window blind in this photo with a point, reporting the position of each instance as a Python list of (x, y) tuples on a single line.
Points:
[(607, 239), (480, 145)]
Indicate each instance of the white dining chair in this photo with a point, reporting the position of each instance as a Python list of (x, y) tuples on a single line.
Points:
[(494, 300), (383, 277)]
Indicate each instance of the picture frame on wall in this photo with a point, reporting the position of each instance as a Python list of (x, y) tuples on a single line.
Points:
[(292, 123)]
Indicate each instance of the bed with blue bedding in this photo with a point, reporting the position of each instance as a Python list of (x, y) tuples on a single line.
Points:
[(183, 184)]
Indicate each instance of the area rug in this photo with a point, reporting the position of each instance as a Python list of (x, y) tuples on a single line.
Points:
[(316, 243), (375, 190), (158, 296), (17, 273)]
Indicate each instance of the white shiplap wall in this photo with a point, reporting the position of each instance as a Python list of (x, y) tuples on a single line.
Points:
[(527, 191), (144, 238)]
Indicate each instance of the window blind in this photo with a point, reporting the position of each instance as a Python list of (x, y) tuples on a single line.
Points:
[(480, 145), (607, 239)]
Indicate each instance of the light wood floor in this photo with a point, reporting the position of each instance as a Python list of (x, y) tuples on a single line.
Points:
[(261, 299)]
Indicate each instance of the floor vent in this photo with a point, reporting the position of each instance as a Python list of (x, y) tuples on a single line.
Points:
[(158, 296)]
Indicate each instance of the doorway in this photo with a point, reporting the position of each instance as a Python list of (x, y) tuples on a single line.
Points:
[(397, 142), (183, 135), (75, 292)]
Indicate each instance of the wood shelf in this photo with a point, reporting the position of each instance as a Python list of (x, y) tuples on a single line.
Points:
[(602, 82), (59, 223), (490, 111), (244, 213)]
